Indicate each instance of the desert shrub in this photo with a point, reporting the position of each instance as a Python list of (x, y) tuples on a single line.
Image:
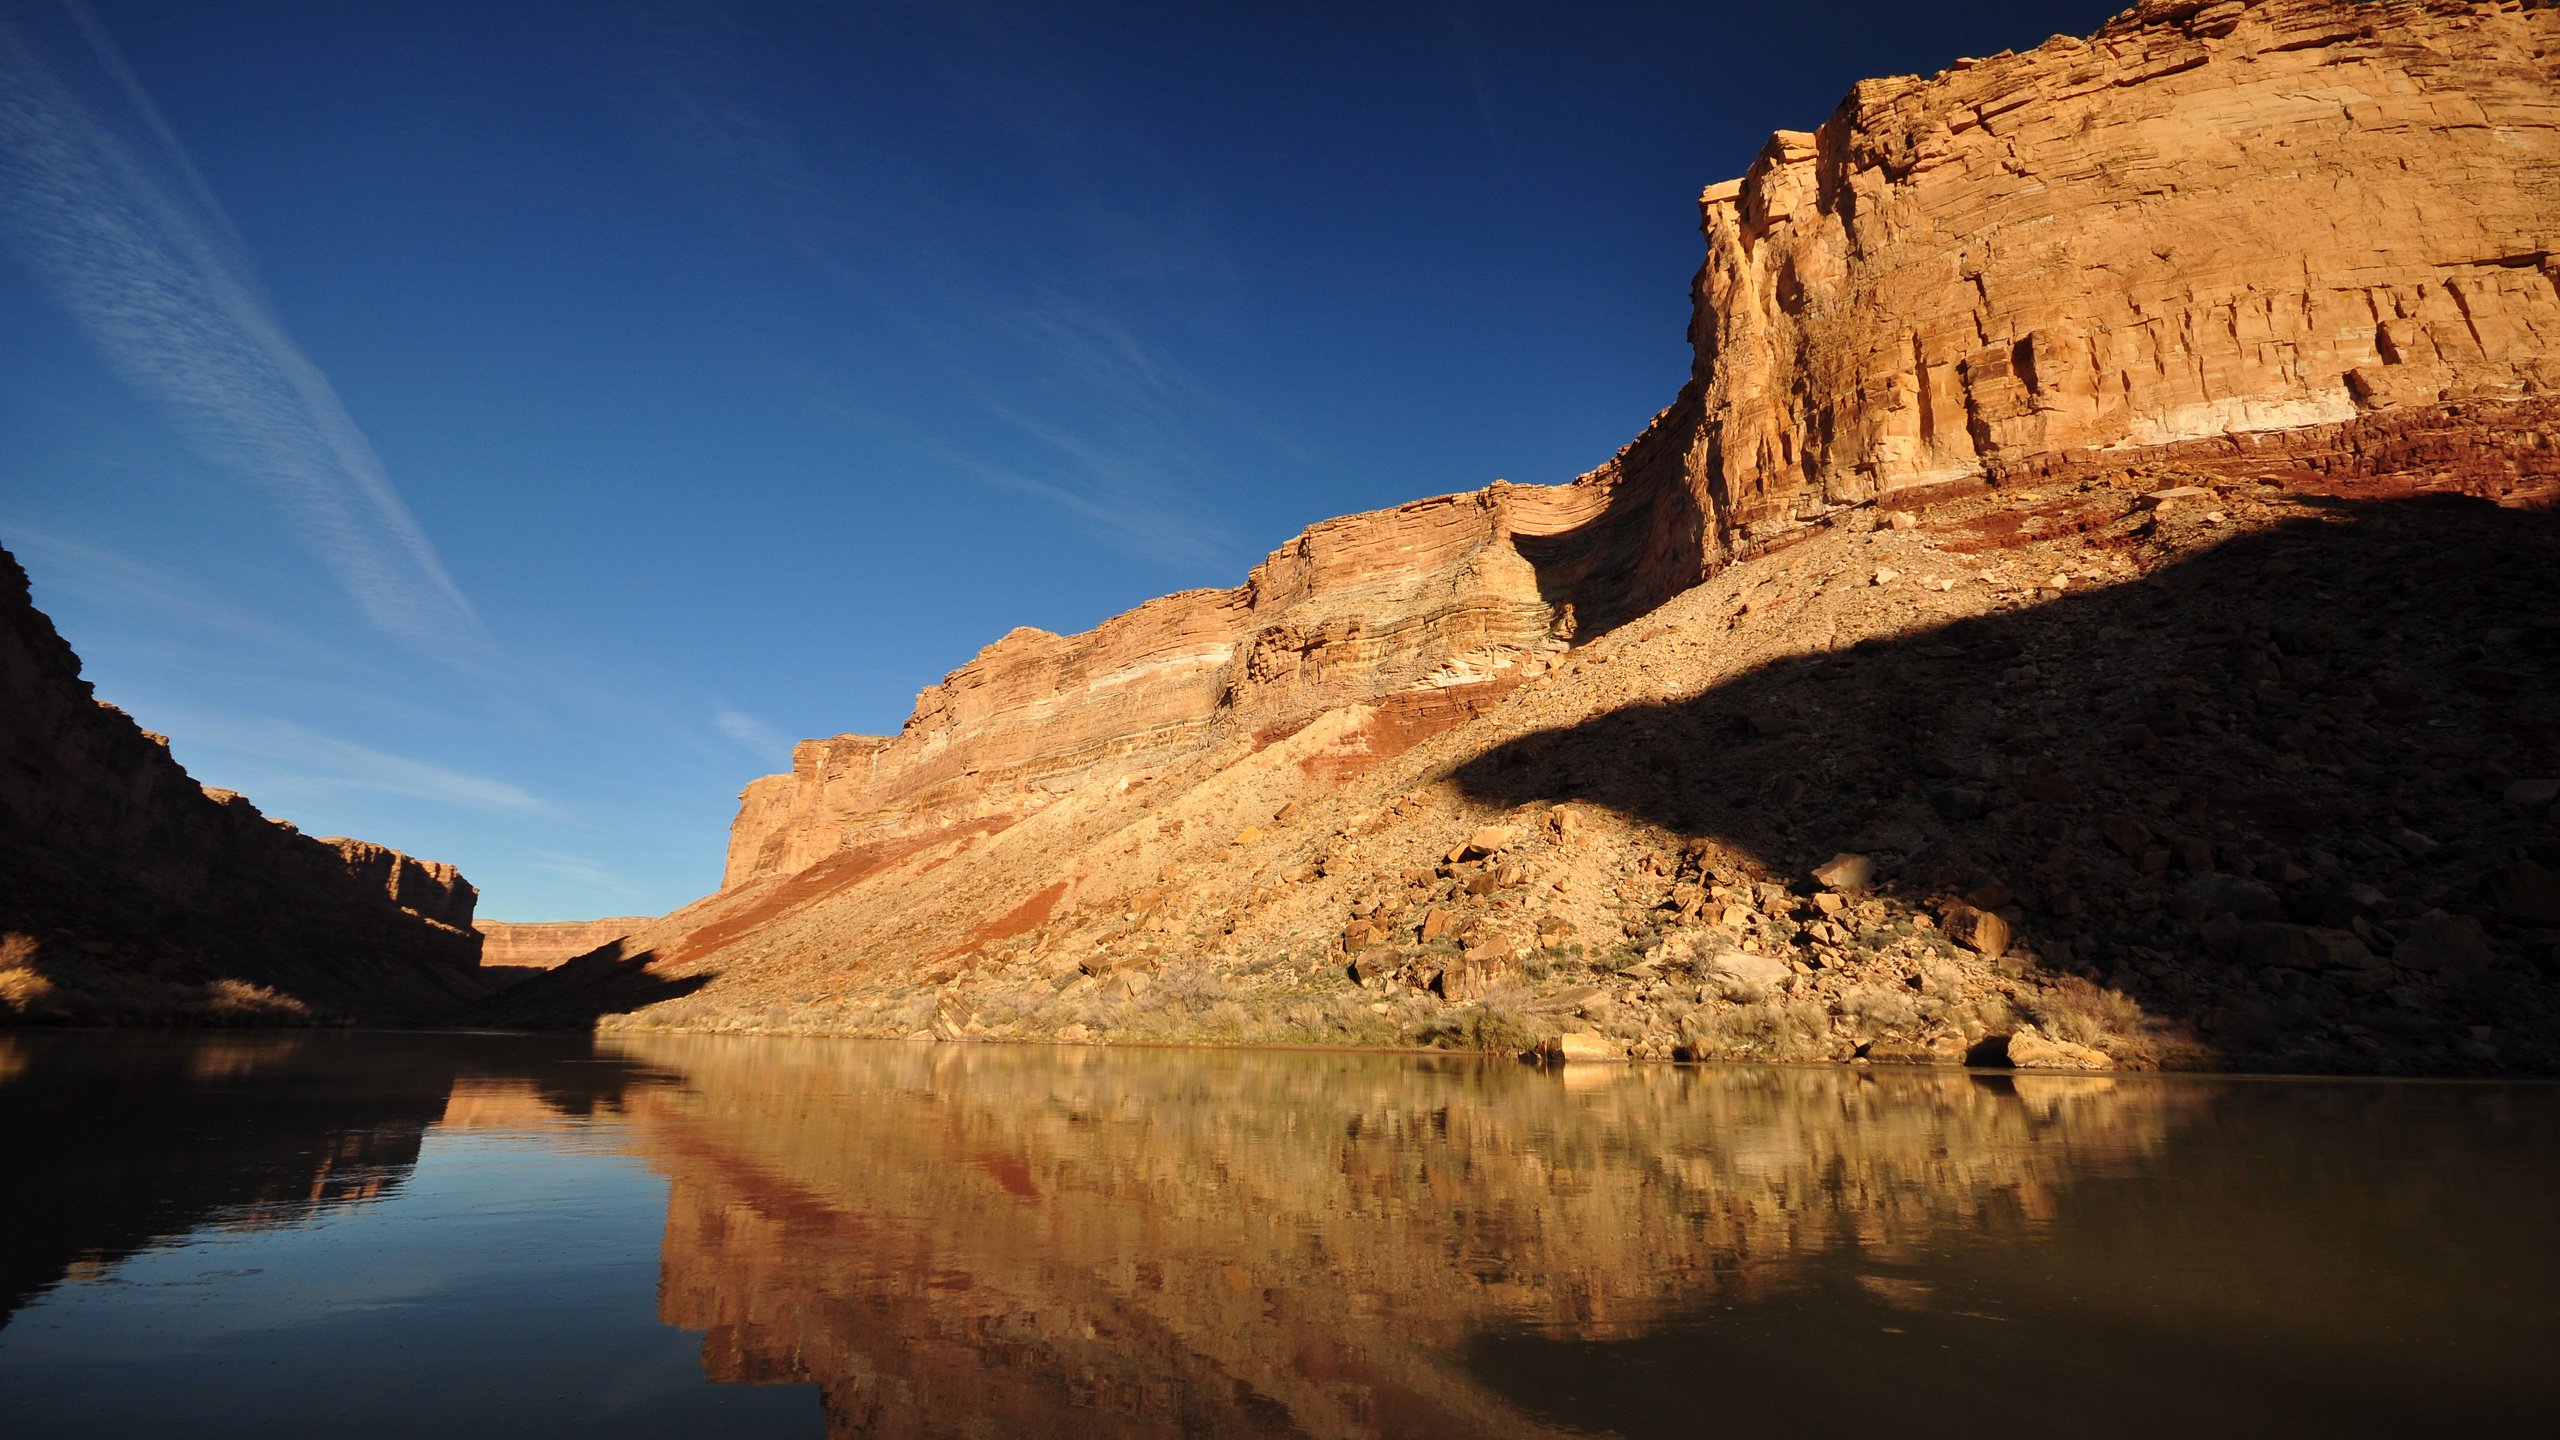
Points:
[(1186, 989), (908, 1014), (1881, 1008), (2082, 1013), (1777, 1030), (1494, 1026), (22, 989), (1988, 1016)]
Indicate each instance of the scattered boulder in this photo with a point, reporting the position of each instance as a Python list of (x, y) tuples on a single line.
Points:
[(2533, 794), (2174, 496), (2032, 1049), (1990, 895), (1484, 840), (1469, 977), (1978, 930), (2444, 944), (2208, 895), (1853, 873), (1585, 1046), (1744, 978), (2128, 834), (2303, 947)]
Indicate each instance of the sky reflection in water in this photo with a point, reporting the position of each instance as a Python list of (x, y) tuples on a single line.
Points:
[(409, 1234)]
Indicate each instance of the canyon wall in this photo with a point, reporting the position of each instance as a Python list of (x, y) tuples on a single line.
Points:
[(540, 945), (1431, 611), (2112, 504), (2206, 221), (129, 891)]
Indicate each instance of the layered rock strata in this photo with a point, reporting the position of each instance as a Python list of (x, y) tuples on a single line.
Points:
[(128, 891), (1431, 610), (2204, 221), (2221, 296), (540, 945)]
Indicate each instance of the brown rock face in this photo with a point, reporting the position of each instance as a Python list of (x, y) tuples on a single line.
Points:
[(2205, 222), (541, 945), (1431, 612), (128, 891), (2111, 495)]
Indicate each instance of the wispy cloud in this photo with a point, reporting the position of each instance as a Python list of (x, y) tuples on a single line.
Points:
[(758, 738), (582, 870), (1078, 352), (296, 761), (121, 583), (115, 221)]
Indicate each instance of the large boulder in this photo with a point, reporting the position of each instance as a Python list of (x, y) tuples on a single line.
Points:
[(1743, 977)]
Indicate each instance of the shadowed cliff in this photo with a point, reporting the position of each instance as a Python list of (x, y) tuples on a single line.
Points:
[(2289, 795), (131, 894), (143, 1138)]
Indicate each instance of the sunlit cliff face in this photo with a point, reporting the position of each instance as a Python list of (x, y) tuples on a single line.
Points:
[(1211, 1244)]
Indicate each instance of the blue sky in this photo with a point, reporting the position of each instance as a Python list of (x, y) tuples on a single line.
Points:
[(499, 429)]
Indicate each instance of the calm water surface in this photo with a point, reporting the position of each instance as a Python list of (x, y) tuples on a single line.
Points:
[(386, 1234)]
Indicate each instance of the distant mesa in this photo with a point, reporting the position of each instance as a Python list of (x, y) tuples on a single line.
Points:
[(544, 945)]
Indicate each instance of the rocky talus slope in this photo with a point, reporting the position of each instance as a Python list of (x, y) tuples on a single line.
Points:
[(130, 893), (2109, 510)]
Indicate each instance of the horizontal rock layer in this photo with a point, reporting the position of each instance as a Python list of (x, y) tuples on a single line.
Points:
[(128, 891), (2057, 515), (2205, 221), (539, 945)]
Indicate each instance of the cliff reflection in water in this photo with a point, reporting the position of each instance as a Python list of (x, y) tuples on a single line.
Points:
[(987, 1240), (115, 1142)]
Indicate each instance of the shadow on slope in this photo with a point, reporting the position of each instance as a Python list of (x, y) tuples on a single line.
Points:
[(2320, 725), (611, 979)]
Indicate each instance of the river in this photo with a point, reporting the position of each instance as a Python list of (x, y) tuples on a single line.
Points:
[(391, 1234)]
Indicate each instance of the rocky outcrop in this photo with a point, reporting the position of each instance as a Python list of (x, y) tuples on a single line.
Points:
[(541, 945), (2206, 221), (2088, 353), (1430, 612), (128, 891)]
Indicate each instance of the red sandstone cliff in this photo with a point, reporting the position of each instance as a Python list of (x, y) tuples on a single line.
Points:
[(2029, 388), (2207, 220), (128, 891)]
